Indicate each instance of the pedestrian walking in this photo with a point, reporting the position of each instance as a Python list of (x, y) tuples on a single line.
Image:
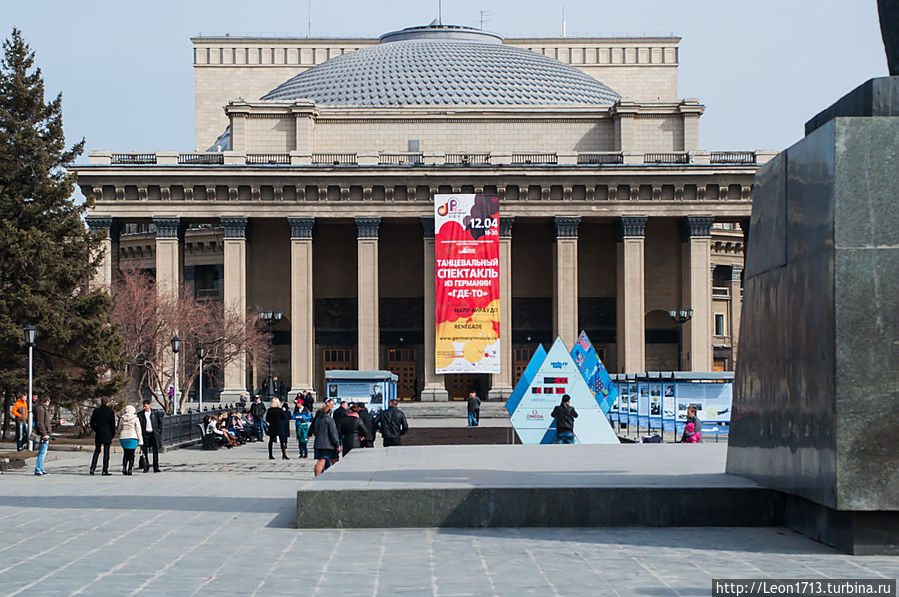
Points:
[(43, 429), (274, 416), (103, 425), (301, 419), (474, 409), (354, 430), (369, 421), (258, 412), (564, 414), (324, 449), (130, 438), (20, 416), (392, 424), (151, 434)]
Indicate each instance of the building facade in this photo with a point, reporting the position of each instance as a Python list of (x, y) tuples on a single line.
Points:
[(315, 194)]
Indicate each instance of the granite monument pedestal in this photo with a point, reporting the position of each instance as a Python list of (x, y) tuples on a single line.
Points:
[(816, 395)]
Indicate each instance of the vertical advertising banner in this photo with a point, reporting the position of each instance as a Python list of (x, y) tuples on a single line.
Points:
[(466, 249)]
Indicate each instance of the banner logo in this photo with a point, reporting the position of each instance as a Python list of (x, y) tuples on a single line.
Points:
[(446, 208)]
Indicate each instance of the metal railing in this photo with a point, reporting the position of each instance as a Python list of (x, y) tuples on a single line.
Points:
[(400, 159), (534, 158), (179, 429), (334, 159), (600, 158), (134, 158), (666, 158), (201, 158), (732, 157), (269, 158), (467, 159)]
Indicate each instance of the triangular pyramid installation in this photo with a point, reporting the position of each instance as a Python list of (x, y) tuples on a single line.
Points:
[(594, 372), (540, 392), (524, 383)]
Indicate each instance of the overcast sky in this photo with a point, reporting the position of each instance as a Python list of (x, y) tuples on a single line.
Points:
[(761, 67)]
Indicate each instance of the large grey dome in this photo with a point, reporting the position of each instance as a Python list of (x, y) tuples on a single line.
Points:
[(439, 65)]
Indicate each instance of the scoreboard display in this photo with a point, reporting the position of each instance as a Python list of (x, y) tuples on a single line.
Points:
[(551, 386)]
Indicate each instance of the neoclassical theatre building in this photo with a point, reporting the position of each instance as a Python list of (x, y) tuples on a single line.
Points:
[(311, 188)]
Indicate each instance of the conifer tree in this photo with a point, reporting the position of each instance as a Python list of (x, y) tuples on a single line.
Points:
[(47, 256)]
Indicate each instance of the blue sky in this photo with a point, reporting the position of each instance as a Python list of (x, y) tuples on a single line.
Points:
[(762, 68)]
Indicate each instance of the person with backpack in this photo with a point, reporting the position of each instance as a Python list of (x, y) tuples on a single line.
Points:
[(301, 420)]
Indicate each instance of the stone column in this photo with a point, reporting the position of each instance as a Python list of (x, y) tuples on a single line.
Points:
[(434, 388), (736, 306), (565, 278), (631, 333), (169, 257), (697, 292), (235, 298), (109, 228), (501, 386), (302, 306), (367, 290)]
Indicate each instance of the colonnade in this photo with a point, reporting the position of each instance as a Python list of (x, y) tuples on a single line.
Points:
[(631, 283)]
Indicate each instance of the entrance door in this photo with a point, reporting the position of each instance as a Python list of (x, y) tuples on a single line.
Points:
[(336, 359), (401, 362), (520, 359), (461, 384)]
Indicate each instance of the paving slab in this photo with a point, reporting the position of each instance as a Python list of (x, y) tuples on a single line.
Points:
[(222, 523)]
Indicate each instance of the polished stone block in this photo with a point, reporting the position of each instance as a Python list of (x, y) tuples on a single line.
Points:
[(816, 397), (874, 97)]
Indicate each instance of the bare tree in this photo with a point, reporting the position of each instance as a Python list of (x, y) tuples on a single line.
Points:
[(148, 322)]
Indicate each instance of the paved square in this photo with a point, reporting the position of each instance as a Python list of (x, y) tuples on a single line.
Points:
[(221, 523)]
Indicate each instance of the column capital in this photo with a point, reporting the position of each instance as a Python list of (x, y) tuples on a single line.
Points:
[(167, 227), (565, 226), (300, 228), (696, 226), (736, 272), (631, 226), (427, 227), (505, 226), (98, 223), (367, 227), (235, 227)]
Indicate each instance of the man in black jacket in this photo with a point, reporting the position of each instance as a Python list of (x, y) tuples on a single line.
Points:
[(369, 421), (258, 411), (564, 414), (151, 427), (103, 424), (392, 425)]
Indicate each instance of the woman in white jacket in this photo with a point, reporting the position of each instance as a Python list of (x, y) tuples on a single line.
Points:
[(130, 437)]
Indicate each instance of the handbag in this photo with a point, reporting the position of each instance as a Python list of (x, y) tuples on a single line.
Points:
[(142, 462)]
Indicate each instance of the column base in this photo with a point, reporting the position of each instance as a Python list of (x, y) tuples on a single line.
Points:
[(499, 394), (435, 394), (229, 395)]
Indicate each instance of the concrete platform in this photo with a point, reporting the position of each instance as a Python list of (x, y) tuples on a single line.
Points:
[(536, 486)]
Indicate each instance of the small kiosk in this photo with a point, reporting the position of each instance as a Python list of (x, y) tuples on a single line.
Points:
[(374, 388)]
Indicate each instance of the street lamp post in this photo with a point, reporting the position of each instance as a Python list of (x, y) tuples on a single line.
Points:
[(680, 317), (176, 348), (271, 317), (30, 334), (201, 354)]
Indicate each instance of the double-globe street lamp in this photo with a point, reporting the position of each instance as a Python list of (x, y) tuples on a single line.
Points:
[(271, 317), (176, 348), (201, 354), (680, 317), (30, 335)]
